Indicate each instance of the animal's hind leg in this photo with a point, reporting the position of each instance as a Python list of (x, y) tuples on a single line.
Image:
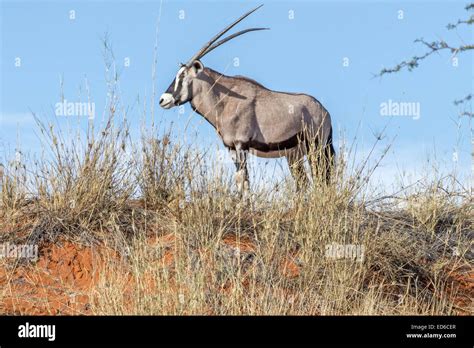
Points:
[(330, 157), (321, 161), (296, 163)]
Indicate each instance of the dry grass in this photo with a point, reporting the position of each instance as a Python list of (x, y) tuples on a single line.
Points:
[(188, 245), (184, 243)]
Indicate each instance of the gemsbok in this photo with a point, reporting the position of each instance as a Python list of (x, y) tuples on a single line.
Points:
[(251, 118)]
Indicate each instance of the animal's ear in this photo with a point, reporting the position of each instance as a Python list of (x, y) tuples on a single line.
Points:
[(197, 67)]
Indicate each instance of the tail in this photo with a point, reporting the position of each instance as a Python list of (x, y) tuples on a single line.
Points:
[(330, 156)]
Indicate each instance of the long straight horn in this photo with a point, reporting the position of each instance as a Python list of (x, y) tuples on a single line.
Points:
[(230, 37), (203, 50)]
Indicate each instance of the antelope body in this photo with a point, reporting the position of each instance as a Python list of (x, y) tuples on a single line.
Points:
[(251, 118)]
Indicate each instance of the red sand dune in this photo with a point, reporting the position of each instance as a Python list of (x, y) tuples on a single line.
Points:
[(66, 273), (60, 282)]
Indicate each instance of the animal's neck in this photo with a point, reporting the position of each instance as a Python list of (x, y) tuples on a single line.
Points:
[(206, 99)]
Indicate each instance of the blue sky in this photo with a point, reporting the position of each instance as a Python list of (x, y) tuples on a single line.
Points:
[(307, 53)]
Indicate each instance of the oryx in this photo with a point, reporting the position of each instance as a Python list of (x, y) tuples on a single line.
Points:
[(252, 118)]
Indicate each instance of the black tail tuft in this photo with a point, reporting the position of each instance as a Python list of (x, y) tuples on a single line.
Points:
[(330, 157)]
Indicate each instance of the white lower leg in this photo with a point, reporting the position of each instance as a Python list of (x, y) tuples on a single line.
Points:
[(242, 181)]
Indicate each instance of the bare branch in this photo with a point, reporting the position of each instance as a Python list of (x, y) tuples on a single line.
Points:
[(469, 21), (463, 100), (433, 47)]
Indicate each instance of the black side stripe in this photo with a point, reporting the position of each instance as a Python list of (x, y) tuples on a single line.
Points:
[(283, 145)]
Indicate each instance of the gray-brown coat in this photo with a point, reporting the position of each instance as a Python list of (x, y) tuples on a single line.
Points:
[(251, 118)]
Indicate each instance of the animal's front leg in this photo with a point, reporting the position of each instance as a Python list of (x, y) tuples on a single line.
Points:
[(239, 157)]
